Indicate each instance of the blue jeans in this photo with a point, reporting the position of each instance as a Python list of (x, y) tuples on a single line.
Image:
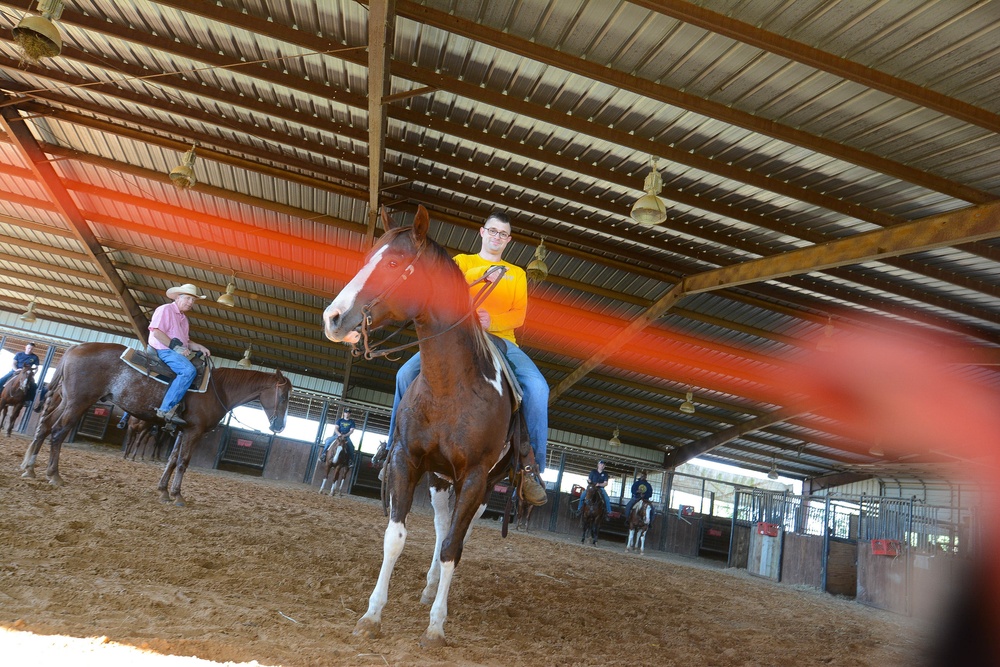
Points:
[(185, 376), (535, 403), (604, 495)]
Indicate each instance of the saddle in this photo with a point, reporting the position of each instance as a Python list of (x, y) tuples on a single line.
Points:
[(149, 364)]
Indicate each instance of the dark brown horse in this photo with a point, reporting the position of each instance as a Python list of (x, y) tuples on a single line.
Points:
[(18, 391), (592, 513), (93, 372), (337, 459), (638, 523), (454, 420), (141, 434)]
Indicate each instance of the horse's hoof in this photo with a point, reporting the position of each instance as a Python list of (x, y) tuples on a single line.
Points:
[(179, 501), (428, 640), (367, 628), (56, 481), (29, 473), (427, 598), (165, 497)]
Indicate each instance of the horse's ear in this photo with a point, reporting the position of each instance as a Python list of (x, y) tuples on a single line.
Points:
[(387, 222), (420, 224)]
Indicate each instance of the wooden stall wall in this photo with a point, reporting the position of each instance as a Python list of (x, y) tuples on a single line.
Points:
[(683, 535), (842, 568), (764, 559), (740, 552), (802, 560), (288, 459), (882, 580)]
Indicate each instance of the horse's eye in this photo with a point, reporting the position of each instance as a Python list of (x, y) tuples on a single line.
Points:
[(393, 264)]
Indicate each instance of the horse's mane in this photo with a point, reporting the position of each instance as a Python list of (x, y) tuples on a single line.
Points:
[(461, 301)]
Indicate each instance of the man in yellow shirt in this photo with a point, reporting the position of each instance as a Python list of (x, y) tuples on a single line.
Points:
[(501, 313)]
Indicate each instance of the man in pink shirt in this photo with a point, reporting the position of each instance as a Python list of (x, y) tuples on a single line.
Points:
[(168, 335)]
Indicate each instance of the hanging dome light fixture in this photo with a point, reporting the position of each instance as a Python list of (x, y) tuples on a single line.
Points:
[(227, 298), (29, 316), (36, 36), (615, 441), (650, 209), (245, 361), (538, 270), (183, 176), (687, 407)]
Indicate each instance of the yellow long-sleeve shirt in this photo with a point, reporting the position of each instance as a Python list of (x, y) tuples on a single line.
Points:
[(507, 303)]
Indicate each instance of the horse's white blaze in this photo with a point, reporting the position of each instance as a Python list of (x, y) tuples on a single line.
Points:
[(497, 379), (344, 302), (392, 546)]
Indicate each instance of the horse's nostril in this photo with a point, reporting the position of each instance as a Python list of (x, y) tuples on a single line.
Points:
[(333, 317)]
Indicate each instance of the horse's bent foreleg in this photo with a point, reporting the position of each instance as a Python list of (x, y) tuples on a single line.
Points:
[(443, 506), (468, 500), (183, 459)]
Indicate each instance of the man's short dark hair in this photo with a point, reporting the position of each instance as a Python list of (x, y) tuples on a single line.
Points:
[(499, 216), (31, 344)]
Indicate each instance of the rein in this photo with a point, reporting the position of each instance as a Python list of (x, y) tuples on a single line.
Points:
[(372, 351)]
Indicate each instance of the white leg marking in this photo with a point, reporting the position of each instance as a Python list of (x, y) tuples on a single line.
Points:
[(392, 546), (439, 611), (443, 504), (468, 533)]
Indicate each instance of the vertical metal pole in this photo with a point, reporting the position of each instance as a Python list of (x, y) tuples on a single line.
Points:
[(554, 512), (314, 454), (732, 529), (357, 455), (701, 504), (826, 541), (666, 510)]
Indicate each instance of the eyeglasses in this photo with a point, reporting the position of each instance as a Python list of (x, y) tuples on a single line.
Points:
[(499, 234)]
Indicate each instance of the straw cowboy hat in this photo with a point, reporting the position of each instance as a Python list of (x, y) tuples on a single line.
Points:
[(186, 288)]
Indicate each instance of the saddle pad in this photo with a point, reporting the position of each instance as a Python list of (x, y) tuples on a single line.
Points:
[(150, 365), (516, 394)]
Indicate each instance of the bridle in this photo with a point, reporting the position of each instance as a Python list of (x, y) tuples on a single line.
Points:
[(371, 351)]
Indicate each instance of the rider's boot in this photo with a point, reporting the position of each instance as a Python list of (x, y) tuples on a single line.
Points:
[(170, 416), (531, 489)]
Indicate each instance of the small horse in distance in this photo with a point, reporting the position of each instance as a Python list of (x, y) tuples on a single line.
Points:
[(141, 434), (455, 418), (92, 372), (337, 459), (592, 513), (639, 520), (523, 512), (18, 391)]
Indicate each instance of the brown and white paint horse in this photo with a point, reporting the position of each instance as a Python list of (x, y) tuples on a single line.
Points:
[(339, 461), (453, 420), (638, 523)]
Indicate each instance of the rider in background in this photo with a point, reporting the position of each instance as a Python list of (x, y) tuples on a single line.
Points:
[(344, 426), (598, 478), (500, 314), (168, 335), (21, 359), (641, 490)]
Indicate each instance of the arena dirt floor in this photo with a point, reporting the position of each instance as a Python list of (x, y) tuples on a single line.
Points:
[(252, 571)]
